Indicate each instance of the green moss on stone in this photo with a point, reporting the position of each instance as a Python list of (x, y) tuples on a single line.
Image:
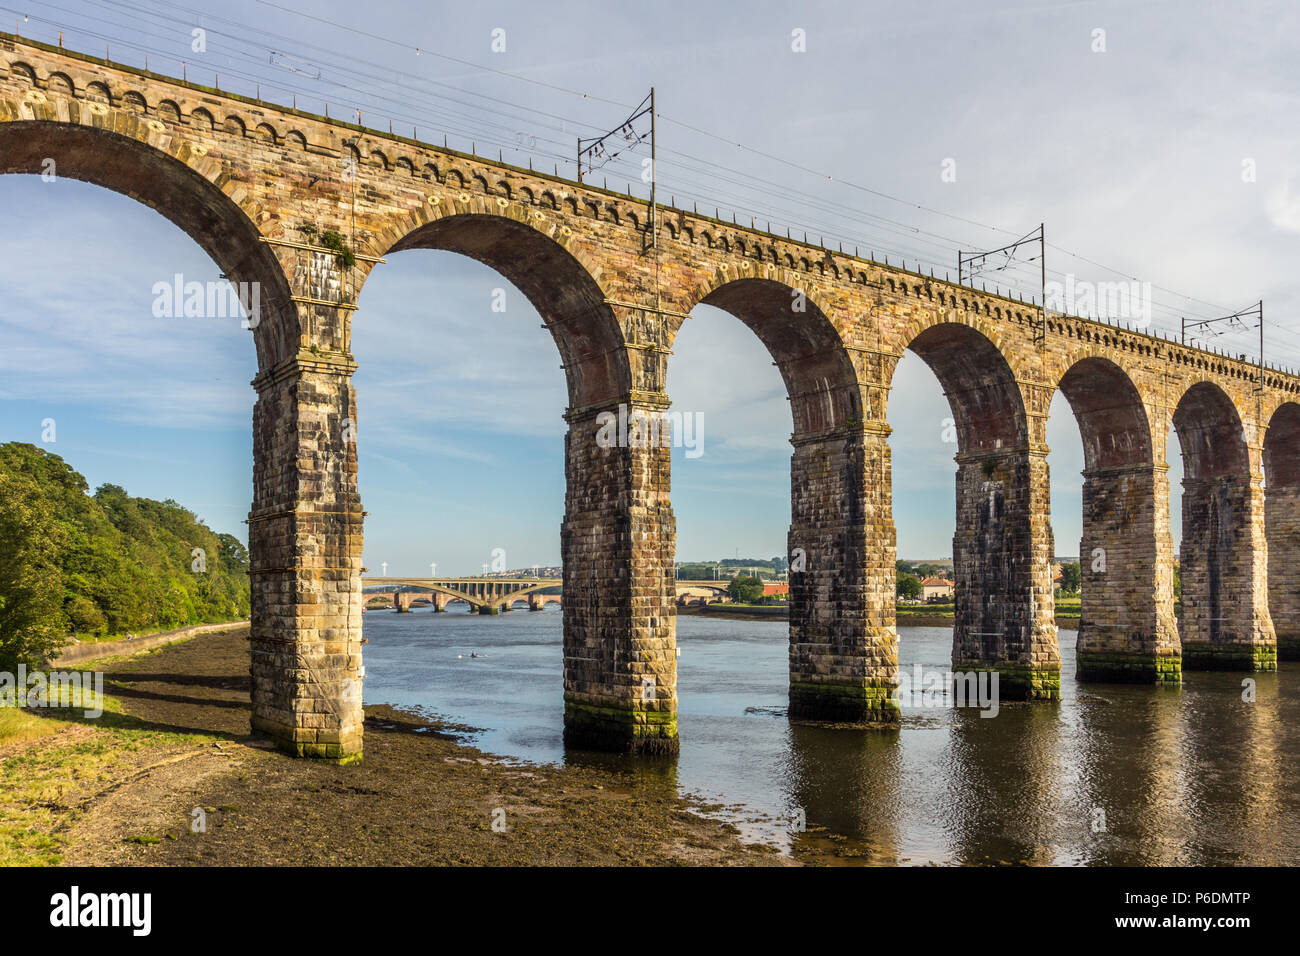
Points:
[(1112, 667), (1229, 657), (619, 729), (1018, 682), (863, 704)]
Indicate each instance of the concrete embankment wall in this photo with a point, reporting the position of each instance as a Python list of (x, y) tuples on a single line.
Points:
[(83, 652)]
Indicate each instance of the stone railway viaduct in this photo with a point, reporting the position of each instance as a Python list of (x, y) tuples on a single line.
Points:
[(258, 185)]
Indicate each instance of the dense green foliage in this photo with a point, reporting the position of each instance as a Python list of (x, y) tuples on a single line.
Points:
[(907, 585), (744, 589), (72, 564), (1070, 577)]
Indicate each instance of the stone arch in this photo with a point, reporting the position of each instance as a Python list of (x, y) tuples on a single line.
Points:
[(1108, 407), (551, 273), (818, 373), (1002, 542), (169, 111), (1224, 563), (134, 101), (616, 510), (979, 382), (843, 652), (1282, 447), (202, 119), (23, 71), (182, 191), (1127, 630), (60, 83), (1210, 433), (98, 92)]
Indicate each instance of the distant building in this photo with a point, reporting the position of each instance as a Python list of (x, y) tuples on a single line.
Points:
[(775, 587), (935, 588)]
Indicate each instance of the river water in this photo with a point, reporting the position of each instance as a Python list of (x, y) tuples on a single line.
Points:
[(1112, 775)]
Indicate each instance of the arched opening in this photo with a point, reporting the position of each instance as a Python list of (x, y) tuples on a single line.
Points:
[(805, 347), (1282, 526), (198, 207), (228, 233), (561, 290), (520, 278), (831, 675), (1002, 543), (104, 376), (1127, 628), (1225, 623)]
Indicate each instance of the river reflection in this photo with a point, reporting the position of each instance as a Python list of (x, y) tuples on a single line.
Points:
[(1111, 775)]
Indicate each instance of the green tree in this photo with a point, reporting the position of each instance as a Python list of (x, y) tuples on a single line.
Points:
[(32, 624), (907, 585), (744, 589), (1070, 577), (102, 564)]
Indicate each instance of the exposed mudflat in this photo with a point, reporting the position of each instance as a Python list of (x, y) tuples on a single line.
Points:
[(421, 797)]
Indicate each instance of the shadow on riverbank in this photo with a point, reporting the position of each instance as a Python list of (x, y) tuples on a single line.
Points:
[(123, 789)]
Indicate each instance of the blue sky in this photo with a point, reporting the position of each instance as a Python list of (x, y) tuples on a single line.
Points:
[(1133, 157)]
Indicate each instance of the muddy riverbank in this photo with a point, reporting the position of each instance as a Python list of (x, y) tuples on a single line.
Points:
[(421, 796)]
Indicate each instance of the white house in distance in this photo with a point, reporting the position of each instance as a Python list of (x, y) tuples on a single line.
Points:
[(935, 587)]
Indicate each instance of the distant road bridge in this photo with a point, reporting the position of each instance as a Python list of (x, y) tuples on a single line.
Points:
[(488, 595)]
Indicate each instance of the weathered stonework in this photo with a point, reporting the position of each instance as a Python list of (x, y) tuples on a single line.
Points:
[(1002, 554), (617, 544), (843, 641), (260, 186), (1125, 555), (1224, 559), (1281, 458), (306, 568)]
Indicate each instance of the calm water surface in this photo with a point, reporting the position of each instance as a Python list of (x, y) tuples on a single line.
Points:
[(1112, 775)]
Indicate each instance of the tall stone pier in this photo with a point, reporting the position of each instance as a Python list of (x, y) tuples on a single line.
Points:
[(1002, 556), (617, 543), (1128, 632)]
